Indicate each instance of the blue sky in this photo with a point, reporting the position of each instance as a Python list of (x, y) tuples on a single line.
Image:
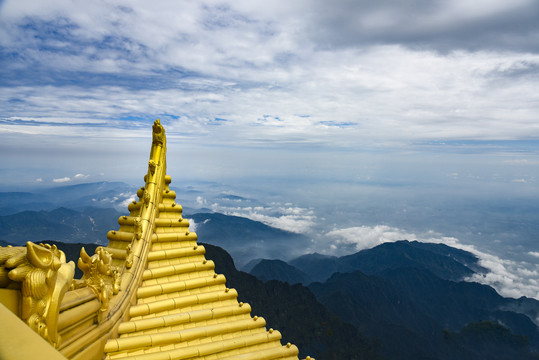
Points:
[(354, 112)]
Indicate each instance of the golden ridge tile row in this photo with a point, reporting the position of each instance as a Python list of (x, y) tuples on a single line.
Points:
[(184, 309)]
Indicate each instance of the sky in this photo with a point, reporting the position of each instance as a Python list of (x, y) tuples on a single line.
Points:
[(354, 122)]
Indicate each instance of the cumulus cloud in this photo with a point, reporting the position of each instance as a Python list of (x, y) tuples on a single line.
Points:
[(282, 216), (366, 237), (510, 278), (296, 220), (128, 198), (200, 201), (68, 179), (192, 225)]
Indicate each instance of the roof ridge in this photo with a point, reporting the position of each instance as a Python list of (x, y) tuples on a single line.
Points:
[(183, 308)]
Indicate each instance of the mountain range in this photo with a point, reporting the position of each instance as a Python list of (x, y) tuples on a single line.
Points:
[(87, 225), (402, 300), (245, 239), (98, 194), (444, 261), (412, 298)]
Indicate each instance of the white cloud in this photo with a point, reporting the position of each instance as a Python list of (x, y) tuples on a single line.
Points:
[(293, 222), (62, 180), (533, 253), (286, 217), (510, 278), (129, 198), (68, 179), (39, 180), (201, 201), (366, 237), (192, 225), (252, 60)]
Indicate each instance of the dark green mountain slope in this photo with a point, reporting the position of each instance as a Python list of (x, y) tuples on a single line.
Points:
[(464, 257), (486, 340), (319, 267), (410, 309), (444, 261), (267, 270), (293, 310), (246, 239)]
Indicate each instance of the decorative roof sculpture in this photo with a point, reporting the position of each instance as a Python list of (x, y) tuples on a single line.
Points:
[(150, 294)]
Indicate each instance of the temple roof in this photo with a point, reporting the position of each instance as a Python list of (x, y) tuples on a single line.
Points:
[(183, 308), (149, 294)]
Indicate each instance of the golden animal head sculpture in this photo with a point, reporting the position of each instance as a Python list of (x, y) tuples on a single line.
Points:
[(99, 275), (44, 277)]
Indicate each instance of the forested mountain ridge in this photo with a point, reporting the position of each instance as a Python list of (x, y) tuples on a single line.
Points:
[(412, 298)]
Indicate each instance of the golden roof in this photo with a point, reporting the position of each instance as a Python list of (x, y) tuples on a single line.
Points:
[(149, 294)]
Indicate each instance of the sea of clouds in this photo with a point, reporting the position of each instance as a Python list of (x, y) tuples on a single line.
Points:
[(511, 278)]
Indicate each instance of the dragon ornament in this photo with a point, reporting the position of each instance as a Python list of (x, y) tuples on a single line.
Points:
[(99, 275), (158, 133), (43, 276)]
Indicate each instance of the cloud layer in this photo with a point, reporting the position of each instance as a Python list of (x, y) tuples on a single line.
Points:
[(287, 216), (513, 277), (440, 25), (282, 72)]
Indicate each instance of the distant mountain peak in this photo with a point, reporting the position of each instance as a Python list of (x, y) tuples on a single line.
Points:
[(442, 260), (279, 270)]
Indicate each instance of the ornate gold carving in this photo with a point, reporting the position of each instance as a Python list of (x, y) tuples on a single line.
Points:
[(14, 256), (158, 133), (99, 275), (147, 198), (129, 256), (152, 166), (140, 192), (44, 277), (137, 228)]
